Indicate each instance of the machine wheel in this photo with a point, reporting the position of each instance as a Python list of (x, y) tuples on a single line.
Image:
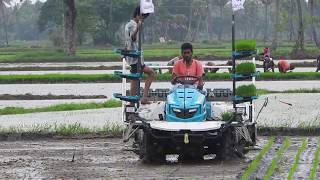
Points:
[(226, 150), (147, 151), (229, 148)]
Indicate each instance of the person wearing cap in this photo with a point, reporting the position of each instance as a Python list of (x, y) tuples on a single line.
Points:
[(132, 29)]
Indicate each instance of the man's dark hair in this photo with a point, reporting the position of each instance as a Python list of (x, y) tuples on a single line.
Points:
[(186, 46), (136, 12)]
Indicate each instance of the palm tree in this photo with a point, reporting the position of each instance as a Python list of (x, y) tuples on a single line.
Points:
[(3, 4)]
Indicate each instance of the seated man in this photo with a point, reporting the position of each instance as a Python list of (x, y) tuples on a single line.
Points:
[(318, 64), (284, 66), (188, 66)]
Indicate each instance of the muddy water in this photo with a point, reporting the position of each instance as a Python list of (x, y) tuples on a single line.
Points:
[(109, 88), (101, 158), (306, 160), (285, 163)]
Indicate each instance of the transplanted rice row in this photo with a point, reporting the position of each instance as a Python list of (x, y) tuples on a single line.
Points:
[(61, 107), (256, 162), (315, 163), (276, 159), (93, 78), (297, 158)]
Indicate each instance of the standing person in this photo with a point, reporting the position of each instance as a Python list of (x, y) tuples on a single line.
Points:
[(284, 66), (188, 66), (132, 29), (318, 64), (266, 52)]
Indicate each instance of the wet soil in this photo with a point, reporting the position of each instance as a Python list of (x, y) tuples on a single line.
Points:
[(102, 158)]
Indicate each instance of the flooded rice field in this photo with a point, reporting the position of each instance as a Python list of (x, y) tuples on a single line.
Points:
[(108, 89), (95, 118), (303, 112), (102, 159), (289, 110), (112, 159), (45, 103)]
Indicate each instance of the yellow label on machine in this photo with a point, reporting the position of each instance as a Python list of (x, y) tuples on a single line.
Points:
[(186, 138)]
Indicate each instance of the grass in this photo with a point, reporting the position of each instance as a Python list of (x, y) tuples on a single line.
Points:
[(63, 129), (257, 161), (93, 78), (297, 158), (246, 45), (61, 107), (315, 163), (246, 90), (276, 159), (45, 53), (246, 68)]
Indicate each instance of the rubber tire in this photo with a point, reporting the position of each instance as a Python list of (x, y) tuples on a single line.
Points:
[(147, 151), (226, 150)]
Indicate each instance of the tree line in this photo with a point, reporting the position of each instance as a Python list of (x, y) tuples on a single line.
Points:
[(68, 23)]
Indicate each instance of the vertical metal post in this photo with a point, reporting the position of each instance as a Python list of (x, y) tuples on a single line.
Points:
[(139, 61), (233, 59), (124, 89)]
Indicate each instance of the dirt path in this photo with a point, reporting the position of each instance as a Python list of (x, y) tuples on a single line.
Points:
[(101, 158)]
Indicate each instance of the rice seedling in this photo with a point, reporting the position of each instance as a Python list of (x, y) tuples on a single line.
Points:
[(61, 107), (257, 161), (110, 129), (315, 163), (276, 159), (246, 68), (246, 90), (297, 158), (246, 45)]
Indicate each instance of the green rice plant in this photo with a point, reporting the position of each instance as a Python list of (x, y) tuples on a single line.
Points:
[(276, 159), (257, 161), (61, 107), (246, 68), (294, 166), (110, 129), (110, 78), (315, 163), (226, 116), (246, 90), (289, 76), (246, 45), (71, 129)]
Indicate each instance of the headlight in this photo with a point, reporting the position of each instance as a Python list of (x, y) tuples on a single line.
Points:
[(176, 110), (193, 110)]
